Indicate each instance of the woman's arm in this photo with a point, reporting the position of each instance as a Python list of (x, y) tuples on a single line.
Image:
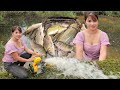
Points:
[(79, 51), (103, 52), (32, 52), (17, 57)]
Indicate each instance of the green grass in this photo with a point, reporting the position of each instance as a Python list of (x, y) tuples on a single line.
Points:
[(1, 50), (110, 66)]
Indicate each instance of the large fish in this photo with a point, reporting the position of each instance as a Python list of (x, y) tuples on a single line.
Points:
[(71, 54), (32, 27), (29, 34), (63, 46), (78, 22), (37, 48), (57, 28), (65, 25), (54, 38), (62, 27), (32, 34), (52, 30), (62, 53), (68, 36), (74, 25), (49, 45), (40, 35), (83, 27)]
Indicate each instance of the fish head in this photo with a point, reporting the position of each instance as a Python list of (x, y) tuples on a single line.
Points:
[(51, 51)]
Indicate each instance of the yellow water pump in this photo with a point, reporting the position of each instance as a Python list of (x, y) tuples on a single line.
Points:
[(35, 63)]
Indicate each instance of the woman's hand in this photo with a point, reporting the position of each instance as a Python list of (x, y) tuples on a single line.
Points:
[(32, 58), (38, 54), (32, 52)]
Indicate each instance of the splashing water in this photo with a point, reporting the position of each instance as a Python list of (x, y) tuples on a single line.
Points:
[(79, 69)]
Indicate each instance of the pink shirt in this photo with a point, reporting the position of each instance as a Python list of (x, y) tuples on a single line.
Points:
[(10, 48), (91, 52)]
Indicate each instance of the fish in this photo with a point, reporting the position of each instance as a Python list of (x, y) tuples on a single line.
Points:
[(68, 36), (65, 25), (38, 48), (57, 28), (71, 54), (83, 27), (78, 22), (52, 30), (40, 35), (62, 53), (74, 25), (32, 28), (54, 38), (63, 46), (27, 35), (49, 45), (32, 34), (61, 28)]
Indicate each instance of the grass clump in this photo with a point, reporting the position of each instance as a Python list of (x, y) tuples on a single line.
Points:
[(110, 66)]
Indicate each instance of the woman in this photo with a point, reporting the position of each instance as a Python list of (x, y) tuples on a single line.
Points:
[(91, 43), (14, 56)]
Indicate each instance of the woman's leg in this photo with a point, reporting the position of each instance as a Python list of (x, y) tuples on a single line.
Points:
[(26, 56), (16, 70)]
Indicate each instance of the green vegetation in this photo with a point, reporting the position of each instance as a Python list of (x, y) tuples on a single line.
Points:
[(110, 66), (1, 49)]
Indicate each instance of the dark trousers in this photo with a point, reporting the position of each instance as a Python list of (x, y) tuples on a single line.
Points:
[(16, 68)]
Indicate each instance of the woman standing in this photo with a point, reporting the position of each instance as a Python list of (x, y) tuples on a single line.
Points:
[(91, 43), (14, 57)]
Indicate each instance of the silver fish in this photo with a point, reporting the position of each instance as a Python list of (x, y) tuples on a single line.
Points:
[(74, 25), (40, 35), (71, 54), (52, 30), (62, 53), (83, 27), (57, 28), (49, 45), (78, 22), (37, 48), (63, 46), (32, 34), (54, 38), (68, 36), (32, 27)]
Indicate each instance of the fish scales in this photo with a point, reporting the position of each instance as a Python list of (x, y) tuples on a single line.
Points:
[(68, 35), (49, 45)]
